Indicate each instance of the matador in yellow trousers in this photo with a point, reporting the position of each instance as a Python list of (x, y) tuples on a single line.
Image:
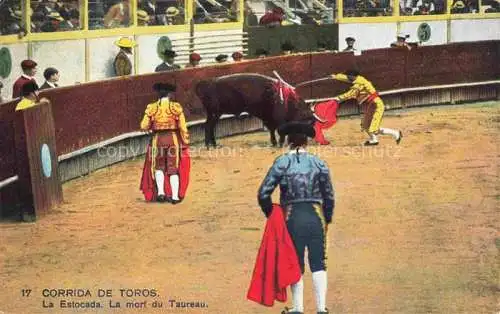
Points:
[(365, 94)]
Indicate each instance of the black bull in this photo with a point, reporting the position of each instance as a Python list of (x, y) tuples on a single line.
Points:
[(252, 93)]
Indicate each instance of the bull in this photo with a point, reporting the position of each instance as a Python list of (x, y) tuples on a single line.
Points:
[(264, 97)]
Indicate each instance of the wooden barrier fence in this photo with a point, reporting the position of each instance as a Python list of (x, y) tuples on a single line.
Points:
[(91, 113)]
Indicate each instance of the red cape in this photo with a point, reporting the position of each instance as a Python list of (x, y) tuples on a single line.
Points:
[(326, 111), (148, 185), (277, 265)]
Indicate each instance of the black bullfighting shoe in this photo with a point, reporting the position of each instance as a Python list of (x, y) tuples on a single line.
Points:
[(161, 199), (399, 138), (325, 312), (285, 311), (168, 200), (176, 201), (368, 143)]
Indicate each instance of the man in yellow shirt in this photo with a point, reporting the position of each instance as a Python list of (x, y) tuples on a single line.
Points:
[(29, 93), (167, 153), (363, 91)]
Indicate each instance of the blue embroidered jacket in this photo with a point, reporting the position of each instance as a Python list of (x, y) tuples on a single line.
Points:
[(302, 177)]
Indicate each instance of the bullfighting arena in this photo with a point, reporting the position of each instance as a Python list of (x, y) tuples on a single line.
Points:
[(416, 226)]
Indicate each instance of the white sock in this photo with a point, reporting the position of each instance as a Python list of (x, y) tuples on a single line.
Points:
[(393, 133), (373, 138), (298, 296), (320, 282), (160, 181), (174, 184)]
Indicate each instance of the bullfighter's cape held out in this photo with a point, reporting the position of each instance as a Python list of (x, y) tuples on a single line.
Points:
[(326, 111), (277, 265), (148, 186)]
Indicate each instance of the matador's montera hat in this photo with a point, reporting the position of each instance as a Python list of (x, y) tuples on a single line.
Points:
[(164, 87), (296, 128)]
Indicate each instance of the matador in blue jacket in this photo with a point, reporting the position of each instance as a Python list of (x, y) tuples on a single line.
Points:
[(307, 195)]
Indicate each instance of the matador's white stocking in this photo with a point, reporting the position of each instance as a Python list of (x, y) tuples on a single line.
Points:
[(320, 282), (298, 296), (393, 133), (174, 183), (160, 181)]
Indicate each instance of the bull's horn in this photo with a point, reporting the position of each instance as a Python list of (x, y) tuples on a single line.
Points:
[(318, 118)]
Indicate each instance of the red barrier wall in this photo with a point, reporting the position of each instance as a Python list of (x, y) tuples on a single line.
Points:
[(92, 112), (8, 168)]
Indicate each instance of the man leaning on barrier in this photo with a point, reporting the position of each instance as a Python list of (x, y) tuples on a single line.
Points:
[(30, 98)]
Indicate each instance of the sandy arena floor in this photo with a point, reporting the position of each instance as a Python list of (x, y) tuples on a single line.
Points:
[(416, 227)]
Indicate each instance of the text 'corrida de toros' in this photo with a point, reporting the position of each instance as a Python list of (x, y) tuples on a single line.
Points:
[(85, 293)]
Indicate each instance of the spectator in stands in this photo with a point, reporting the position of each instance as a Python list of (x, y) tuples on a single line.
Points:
[(473, 5), (401, 41), (361, 8), (460, 6), (12, 22), (96, 16), (494, 7), (122, 63), (53, 22), (29, 71), (29, 92), (37, 20), (147, 6), (46, 7), (261, 53), (173, 16), (142, 18), (287, 48), (194, 60), (168, 63), (63, 9), (222, 58), (350, 44), (273, 18), (118, 15), (425, 7), (72, 22), (237, 56), (51, 76)]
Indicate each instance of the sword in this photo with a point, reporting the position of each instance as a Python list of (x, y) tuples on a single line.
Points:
[(281, 79), (314, 81), (312, 107)]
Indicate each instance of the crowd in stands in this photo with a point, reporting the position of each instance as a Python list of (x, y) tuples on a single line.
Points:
[(422, 7), (364, 8), (65, 15), (46, 16), (303, 13), (472, 6)]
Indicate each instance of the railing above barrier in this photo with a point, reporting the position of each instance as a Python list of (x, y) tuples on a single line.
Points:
[(416, 89)]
